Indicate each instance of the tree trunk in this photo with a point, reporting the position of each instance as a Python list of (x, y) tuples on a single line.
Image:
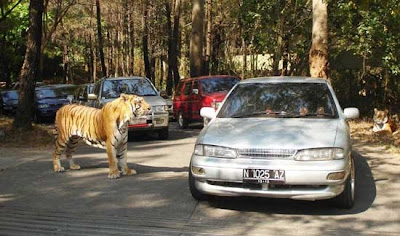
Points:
[(100, 37), (30, 68), (170, 46), (145, 40), (208, 38), (196, 42), (176, 43), (65, 62), (132, 42), (318, 58)]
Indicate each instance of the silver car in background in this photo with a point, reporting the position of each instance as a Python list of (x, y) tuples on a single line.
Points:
[(278, 137), (108, 89)]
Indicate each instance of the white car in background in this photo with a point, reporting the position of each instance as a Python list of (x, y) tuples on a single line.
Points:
[(278, 137)]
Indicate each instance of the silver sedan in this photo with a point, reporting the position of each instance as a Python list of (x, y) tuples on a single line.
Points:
[(280, 137)]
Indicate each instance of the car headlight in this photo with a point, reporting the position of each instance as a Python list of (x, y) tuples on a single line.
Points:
[(214, 151), (319, 154), (158, 108), (41, 106)]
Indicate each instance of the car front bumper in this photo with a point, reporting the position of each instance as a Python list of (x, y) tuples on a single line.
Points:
[(153, 121), (304, 180)]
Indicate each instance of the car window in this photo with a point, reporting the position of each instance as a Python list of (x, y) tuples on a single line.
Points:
[(196, 84), (178, 89), (141, 87), (10, 95), (214, 85), (285, 100), (188, 88)]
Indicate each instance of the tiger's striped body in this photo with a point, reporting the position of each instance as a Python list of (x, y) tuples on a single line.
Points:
[(104, 128)]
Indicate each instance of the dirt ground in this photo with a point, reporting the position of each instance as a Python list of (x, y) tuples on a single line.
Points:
[(42, 136)]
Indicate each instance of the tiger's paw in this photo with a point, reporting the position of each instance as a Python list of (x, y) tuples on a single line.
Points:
[(114, 174), (59, 169), (75, 167), (129, 172)]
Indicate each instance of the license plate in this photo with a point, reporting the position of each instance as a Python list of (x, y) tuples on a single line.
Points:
[(138, 120), (263, 176)]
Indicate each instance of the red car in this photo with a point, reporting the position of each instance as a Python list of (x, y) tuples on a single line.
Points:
[(194, 93)]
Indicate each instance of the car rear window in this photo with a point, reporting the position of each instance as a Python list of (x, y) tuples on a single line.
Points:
[(214, 85), (283, 100)]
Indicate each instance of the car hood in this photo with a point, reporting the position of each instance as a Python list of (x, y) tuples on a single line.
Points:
[(56, 101), (152, 100), (270, 133), (11, 102)]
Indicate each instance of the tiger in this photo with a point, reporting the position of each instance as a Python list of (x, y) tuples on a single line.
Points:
[(382, 122), (105, 128)]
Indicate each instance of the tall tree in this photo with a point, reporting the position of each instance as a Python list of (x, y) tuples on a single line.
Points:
[(318, 57), (145, 39), (208, 37), (175, 42), (196, 41), (30, 68), (100, 37)]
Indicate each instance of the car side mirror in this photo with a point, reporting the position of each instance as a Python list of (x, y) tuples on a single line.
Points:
[(70, 98), (195, 91), (208, 112), (351, 113), (92, 96)]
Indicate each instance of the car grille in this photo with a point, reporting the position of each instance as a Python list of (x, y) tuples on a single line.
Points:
[(260, 153)]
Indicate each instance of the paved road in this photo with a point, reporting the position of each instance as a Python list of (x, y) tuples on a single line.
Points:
[(157, 201)]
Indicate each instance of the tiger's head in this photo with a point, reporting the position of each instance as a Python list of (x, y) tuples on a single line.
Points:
[(380, 117), (133, 106)]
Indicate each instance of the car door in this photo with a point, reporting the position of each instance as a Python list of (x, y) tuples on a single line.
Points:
[(196, 100), (185, 100)]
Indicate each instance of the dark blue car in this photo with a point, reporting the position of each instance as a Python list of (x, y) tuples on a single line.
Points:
[(9, 102), (48, 100)]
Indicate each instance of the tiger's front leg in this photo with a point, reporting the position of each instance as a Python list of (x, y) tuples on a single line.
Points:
[(123, 157), (112, 161)]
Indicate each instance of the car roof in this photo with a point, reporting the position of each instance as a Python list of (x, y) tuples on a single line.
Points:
[(284, 79), (122, 78)]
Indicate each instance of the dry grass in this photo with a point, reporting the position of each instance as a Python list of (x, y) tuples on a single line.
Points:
[(361, 131), (41, 136)]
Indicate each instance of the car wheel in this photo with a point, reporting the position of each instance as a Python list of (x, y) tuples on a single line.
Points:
[(196, 194), (163, 134), (346, 199), (182, 122)]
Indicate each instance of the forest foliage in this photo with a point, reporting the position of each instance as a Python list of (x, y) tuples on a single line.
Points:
[(248, 38)]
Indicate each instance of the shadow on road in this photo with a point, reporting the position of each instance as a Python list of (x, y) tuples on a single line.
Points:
[(365, 195)]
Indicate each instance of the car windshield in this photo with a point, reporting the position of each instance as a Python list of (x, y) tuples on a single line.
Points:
[(10, 95), (214, 85), (141, 87), (49, 93), (281, 100)]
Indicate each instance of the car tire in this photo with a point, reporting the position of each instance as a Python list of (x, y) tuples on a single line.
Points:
[(196, 194), (182, 122), (163, 134), (346, 199)]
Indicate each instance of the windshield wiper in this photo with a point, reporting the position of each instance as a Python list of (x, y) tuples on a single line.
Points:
[(249, 114), (320, 115)]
